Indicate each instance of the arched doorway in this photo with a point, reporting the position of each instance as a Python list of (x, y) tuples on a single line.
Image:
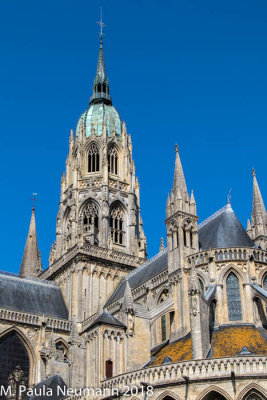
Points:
[(14, 364), (214, 396)]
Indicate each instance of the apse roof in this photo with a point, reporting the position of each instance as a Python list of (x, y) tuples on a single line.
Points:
[(31, 295), (223, 229), (141, 275), (226, 341)]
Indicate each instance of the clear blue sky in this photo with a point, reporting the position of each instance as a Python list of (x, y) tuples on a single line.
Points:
[(191, 72)]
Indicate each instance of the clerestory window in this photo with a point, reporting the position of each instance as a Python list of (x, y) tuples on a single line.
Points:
[(233, 298)]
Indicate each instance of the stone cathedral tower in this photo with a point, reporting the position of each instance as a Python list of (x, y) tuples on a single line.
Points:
[(99, 201)]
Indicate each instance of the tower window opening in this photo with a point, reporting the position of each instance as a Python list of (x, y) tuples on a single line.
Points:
[(163, 328), (116, 225), (93, 159), (113, 161), (184, 232), (233, 298), (177, 239), (191, 239), (90, 222), (109, 369)]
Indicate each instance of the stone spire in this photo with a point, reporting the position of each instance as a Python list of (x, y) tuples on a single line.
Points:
[(179, 184), (258, 228), (258, 208), (101, 82), (127, 303), (31, 262), (101, 70)]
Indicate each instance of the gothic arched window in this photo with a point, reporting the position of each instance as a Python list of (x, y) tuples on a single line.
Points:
[(14, 364), (67, 229), (233, 298), (61, 351), (90, 221), (265, 283), (113, 161), (116, 224), (93, 158), (163, 328)]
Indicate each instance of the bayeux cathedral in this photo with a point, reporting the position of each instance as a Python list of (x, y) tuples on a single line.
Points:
[(188, 324)]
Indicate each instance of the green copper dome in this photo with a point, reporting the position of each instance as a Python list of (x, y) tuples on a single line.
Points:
[(96, 116)]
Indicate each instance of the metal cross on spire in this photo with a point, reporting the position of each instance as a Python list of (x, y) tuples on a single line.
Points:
[(229, 196), (34, 195), (101, 23)]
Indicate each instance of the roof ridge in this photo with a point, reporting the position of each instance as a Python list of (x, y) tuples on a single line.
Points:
[(155, 257), (213, 216), (12, 275)]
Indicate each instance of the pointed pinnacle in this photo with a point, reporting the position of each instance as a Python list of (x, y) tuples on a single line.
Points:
[(31, 263), (179, 179), (127, 304), (258, 208), (161, 244), (192, 199), (248, 226)]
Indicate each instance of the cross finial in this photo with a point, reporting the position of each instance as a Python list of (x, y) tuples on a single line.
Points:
[(34, 195), (229, 196), (101, 23)]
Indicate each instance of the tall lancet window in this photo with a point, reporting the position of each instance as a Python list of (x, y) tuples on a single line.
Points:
[(113, 161), (233, 298), (265, 283), (14, 365), (93, 158), (116, 224), (90, 222)]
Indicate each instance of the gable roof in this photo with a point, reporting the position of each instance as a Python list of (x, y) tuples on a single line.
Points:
[(141, 275), (31, 295), (223, 229), (107, 319)]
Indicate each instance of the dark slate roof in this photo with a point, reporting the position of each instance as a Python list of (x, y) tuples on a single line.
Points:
[(107, 319), (223, 229), (31, 295), (55, 383), (141, 275)]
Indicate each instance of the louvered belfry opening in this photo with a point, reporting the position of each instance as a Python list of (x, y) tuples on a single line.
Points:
[(14, 365)]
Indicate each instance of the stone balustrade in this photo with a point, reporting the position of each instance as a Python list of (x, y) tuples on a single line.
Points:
[(88, 321), (193, 370), (34, 319), (233, 253), (58, 324), (22, 317)]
